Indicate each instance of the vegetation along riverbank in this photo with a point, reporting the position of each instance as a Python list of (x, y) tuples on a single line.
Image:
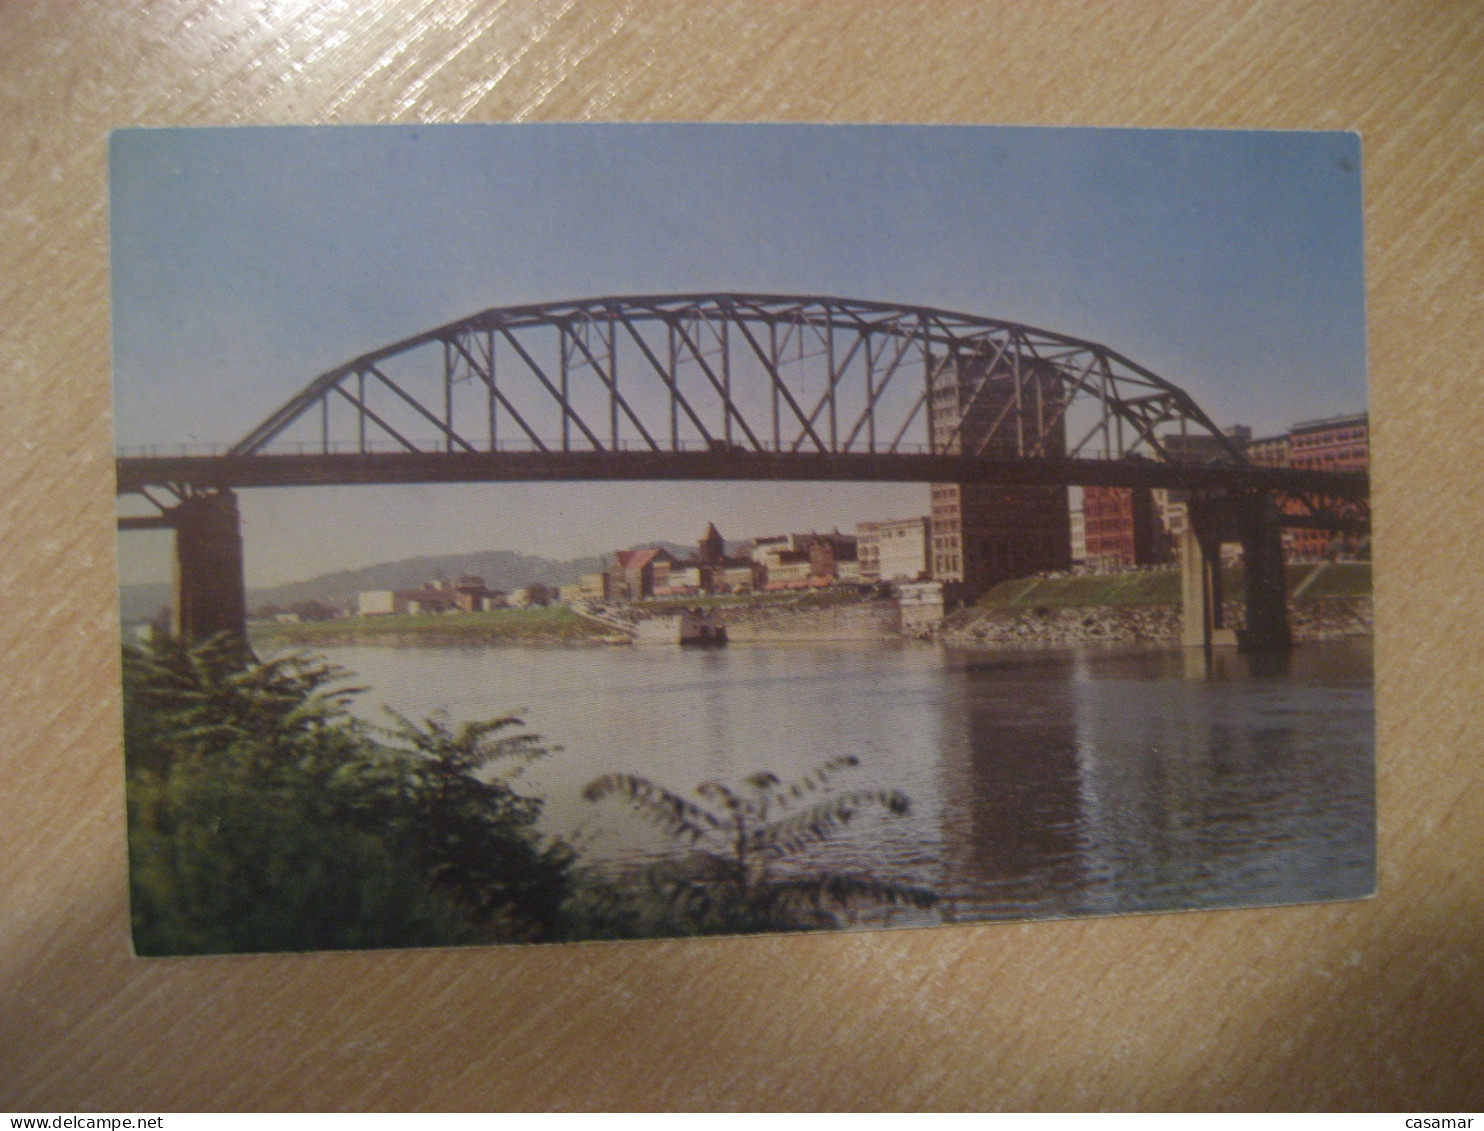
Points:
[(1326, 600), (265, 816), (552, 624)]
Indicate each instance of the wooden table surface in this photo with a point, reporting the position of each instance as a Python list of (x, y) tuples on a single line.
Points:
[(1362, 1005)]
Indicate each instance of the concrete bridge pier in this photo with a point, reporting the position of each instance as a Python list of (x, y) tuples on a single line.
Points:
[(1267, 592), (1254, 522), (210, 591), (1201, 592)]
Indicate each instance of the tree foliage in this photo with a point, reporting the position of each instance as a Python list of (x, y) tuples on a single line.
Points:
[(741, 865), (264, 817)]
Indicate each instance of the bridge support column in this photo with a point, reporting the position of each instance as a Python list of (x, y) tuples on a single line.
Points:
[(1203, 620), (210, 593), (1267, 593), (1195, 590)]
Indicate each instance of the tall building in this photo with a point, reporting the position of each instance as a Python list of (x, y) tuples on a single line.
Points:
[(1341, 443), (1123, 528), (1079, 536), (983, 534)]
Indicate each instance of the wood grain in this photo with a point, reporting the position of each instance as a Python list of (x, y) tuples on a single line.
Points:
[(1366, 1005)]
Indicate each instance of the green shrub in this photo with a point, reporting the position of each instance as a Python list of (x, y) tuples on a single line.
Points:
[(738, 866), (264, 817)]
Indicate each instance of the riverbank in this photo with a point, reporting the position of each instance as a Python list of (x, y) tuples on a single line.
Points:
[(1162, 586), (1327, 601), (1322, 618), (554, 624)]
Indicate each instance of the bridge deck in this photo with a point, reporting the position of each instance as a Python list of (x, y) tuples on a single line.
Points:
[(337, 469)]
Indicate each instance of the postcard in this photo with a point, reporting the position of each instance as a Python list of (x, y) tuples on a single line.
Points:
[(548, 533)]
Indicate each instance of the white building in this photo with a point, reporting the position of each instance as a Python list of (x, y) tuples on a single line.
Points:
[(376, 602), (895, 550)]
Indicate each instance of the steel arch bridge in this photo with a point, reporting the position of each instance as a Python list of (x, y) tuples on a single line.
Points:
[(793, 374), (732, 387)]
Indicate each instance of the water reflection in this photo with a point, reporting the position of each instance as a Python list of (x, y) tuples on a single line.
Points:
[(1047, 783), (1013, 814), (1104, 783)]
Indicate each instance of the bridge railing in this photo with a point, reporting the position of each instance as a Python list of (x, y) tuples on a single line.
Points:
[(553, 445), (432, 445)]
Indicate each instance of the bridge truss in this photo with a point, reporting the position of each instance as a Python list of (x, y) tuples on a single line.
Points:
[(739, 386), (757, 373)]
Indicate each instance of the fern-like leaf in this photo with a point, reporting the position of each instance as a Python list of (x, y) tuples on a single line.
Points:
[(815, 780), (790, 835), (671, 812)]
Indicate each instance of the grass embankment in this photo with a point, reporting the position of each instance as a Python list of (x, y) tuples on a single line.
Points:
[(1162, 587), (553, 625)]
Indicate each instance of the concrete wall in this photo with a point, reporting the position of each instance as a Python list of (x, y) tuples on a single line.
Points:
[(877, 620)]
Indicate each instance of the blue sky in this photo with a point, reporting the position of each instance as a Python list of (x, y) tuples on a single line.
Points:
[(246, 261)]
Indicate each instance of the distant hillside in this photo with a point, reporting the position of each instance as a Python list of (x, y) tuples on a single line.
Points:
[(674, 548), (734, 548), (501, 569)]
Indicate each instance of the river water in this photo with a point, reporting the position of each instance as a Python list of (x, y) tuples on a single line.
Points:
[(1042, 783)]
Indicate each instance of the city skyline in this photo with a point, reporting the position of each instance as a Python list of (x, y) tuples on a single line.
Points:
[(687, 510), (248, 261)]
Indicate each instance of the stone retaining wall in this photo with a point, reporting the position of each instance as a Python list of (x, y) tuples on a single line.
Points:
[(1325, 618), (875, 620)]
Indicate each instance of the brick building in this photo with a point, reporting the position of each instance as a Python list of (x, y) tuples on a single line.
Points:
[(827, 553), (983, 534), (799, 560), (1123, 528), (633, 575), (637, 575), (1340, 443), (713, 547)]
